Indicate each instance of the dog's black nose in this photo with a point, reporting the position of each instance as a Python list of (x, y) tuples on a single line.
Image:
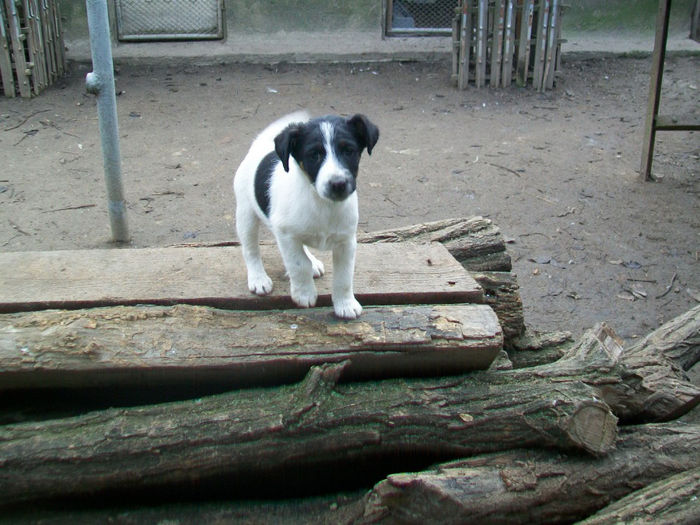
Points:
[(338, 186)]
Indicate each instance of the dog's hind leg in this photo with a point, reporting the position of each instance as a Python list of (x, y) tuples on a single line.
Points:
[(248, 228), (317, 265)]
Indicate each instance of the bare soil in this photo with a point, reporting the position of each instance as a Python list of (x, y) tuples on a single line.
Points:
[(557, 172)]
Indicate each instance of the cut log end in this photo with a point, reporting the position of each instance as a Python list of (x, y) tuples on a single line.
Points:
[(593, 428)]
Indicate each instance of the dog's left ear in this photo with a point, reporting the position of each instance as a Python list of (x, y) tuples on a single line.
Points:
[(285, 144), (366, 133)]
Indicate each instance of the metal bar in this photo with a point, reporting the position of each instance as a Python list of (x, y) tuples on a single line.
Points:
[(656, 78), (101, 83)]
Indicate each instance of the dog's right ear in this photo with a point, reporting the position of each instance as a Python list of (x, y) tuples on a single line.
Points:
[(286, 143)]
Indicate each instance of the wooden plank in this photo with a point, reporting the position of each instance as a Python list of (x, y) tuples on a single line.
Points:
[(541, 44), (481, 24), (676, 123), (497, 37), (137, 345), (655, 80), (49, 41), (552, 45), (465, 38), (55, 17), (35, 46), (6, 74), (526, 19), (402, 273), (508, 44), (17, 39)]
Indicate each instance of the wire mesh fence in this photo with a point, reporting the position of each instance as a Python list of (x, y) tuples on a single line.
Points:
[(420, 17), (169, 19)]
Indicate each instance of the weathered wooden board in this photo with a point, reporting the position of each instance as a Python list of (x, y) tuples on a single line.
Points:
[(137, 345), (401, 273)]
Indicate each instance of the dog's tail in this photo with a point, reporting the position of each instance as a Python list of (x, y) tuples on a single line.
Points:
[(269, 133)]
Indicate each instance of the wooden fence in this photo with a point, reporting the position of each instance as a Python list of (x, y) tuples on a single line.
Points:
[(32, 55), (501, 40)]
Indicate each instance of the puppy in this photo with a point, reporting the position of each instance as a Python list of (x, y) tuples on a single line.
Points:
[(299, 179)]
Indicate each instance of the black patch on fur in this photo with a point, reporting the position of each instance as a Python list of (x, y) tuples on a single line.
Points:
[(263, 177)]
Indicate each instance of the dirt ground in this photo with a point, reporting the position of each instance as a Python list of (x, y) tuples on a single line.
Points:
[(557, 172)]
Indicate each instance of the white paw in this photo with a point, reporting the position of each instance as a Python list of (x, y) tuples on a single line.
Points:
[(260, 284), (304, 296), (347, 308)]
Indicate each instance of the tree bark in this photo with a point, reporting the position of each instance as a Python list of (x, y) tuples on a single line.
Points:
[(534, 486), (672, 501), (313, 423)]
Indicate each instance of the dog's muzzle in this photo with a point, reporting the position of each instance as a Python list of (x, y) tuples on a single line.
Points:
[(339, 188)]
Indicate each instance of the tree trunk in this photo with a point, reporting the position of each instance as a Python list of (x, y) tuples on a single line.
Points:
[(534, 486), (673, 500)]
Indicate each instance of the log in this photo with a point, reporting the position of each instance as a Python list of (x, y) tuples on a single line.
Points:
[(318, 421), (502, 293), (672, 501), (643, 382), (534, 486), (481, 249), (129, 346), (314, 424), (474, 241)]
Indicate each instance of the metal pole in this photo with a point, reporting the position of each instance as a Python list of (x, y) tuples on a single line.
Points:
[(101, 83)]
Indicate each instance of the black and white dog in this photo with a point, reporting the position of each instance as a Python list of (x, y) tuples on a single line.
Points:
[(299, 178)]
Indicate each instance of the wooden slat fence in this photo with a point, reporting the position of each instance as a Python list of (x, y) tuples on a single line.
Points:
[(505, 40), (32, 55)]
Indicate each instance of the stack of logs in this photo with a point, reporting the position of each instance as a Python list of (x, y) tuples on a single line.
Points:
[(593, 433)]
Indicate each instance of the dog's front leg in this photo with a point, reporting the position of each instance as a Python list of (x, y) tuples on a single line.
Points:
[(344, 303), (300, 270)]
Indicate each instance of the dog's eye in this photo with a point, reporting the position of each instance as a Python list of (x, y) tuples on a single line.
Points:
[(347, 150), (317, 155)]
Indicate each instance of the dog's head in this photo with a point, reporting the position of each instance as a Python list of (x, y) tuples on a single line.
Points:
[(328, 151)]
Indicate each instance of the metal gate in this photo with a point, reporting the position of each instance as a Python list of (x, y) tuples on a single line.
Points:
[(169, 19)]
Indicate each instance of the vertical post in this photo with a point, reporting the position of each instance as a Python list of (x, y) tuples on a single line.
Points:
[(656, 78), (100, 82)]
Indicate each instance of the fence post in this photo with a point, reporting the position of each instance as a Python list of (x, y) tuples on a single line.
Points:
[(100, 82)]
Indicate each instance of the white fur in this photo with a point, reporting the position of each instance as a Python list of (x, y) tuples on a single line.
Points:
[(299, 218)]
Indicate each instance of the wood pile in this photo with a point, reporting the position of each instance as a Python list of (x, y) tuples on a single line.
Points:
[(501, 40), (167, 400), (32, 55)]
